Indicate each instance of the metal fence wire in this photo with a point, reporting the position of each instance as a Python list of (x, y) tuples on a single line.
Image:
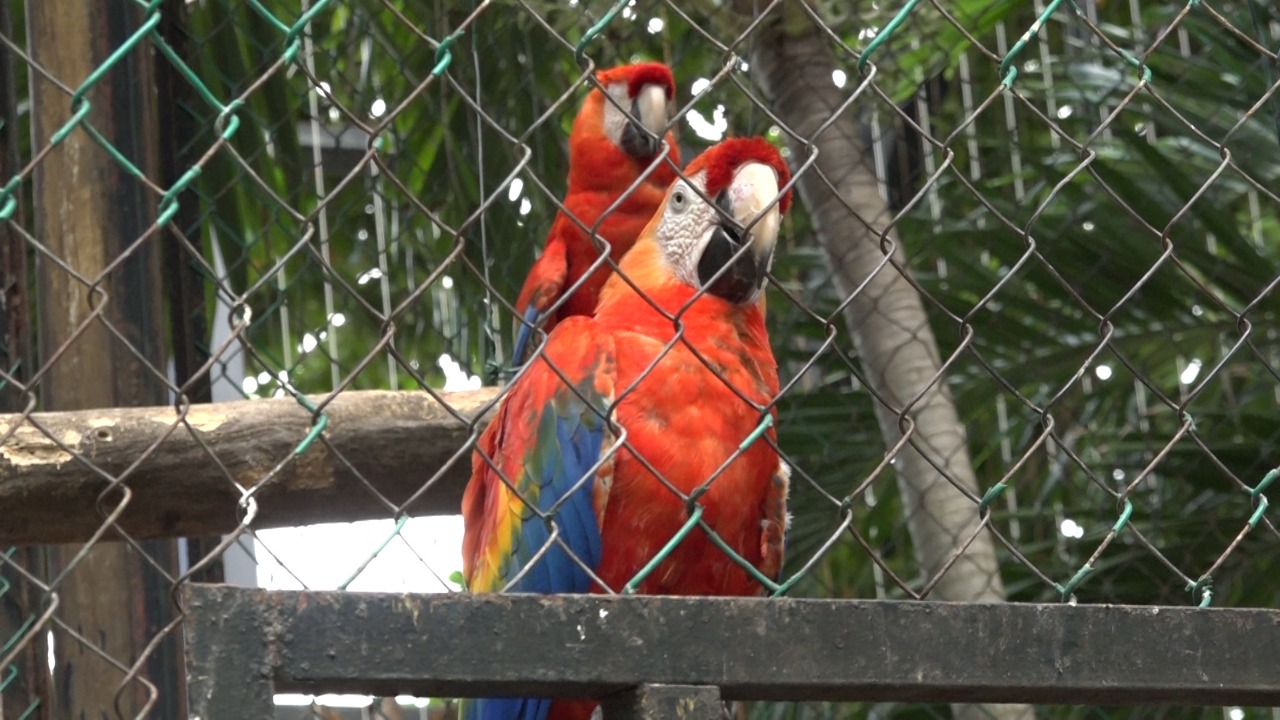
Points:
[(1023, 309)]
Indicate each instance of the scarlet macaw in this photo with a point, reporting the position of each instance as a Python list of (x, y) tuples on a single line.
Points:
[(608, 152), (549, 452)]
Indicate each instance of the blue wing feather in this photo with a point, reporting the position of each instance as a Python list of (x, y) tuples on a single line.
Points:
[(522, 337), (566, 450), (567, 447)]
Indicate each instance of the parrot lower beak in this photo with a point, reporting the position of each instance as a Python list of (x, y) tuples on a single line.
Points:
[(754, 187), (643, 140)]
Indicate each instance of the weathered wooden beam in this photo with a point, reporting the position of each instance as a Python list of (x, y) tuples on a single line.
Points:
[(244, 644), (189, 466)]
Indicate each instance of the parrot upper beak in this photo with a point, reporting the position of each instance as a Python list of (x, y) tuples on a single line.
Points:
[(754, 187), (650, 108)]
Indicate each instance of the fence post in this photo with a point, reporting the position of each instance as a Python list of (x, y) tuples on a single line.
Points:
[(88, 212)]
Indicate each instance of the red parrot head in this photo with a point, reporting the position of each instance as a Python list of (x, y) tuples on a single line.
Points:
[(645, 90), (725, 246)]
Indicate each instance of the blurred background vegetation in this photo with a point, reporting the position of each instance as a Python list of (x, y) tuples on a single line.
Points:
[(1144, 300), (1097, 245)]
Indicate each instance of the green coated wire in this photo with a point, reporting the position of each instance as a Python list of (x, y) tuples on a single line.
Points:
[(10, 202), (1008, 73), (83, 106), (1259, 512), (1124, 517), (765, 423), (113, 59), (1066, 590), (291, 37), (1255, 492), (81, 111), (269, 16), (4, 588), (1205, 587), (883, 36), (376, 552), (5, 681), (754, 572), (317, 427), (783, 587), (13, 372), (990, 496), (190, 75), (1266, 480), (168, 206), (689, 525), (593, 31), (13, 669), (22, 629), (444, 54), (31, 710), (696, 519)]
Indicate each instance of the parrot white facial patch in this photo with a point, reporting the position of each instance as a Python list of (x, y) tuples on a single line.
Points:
[(651, 109), (683, 234), (615, 121)]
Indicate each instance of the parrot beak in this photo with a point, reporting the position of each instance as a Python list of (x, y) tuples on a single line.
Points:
[(754, 187), (650, 108)]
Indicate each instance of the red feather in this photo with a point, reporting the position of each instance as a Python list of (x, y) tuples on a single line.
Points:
[(599, 173), (639, 75), (686, 405), (722, 160), (687, 440)]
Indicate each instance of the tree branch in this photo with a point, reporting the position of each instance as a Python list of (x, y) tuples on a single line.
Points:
[(377, 451)]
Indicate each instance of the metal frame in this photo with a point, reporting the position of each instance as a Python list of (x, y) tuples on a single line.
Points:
[(244, 644)]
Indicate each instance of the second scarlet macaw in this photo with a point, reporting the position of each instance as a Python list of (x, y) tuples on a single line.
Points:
[(583, 475), (608, 154)]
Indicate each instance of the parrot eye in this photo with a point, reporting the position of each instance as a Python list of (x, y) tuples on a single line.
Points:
[(679, 200)]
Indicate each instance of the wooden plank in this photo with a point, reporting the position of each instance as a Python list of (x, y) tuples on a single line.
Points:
[(397, 441), (751, 649)]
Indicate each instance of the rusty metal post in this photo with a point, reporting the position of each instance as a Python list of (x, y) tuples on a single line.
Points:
[(89, 212)]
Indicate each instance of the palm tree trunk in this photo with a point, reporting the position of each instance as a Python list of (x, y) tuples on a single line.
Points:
[(886, 318)]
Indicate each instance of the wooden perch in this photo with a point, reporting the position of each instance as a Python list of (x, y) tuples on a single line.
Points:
[(397, 441)]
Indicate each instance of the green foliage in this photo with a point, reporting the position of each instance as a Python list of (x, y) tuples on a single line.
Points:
[(1091, 240)]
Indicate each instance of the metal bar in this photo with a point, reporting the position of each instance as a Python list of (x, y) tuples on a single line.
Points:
[(752, 649), (664, 702), (229, 661)]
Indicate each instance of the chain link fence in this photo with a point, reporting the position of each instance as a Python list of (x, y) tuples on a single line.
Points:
[(1024, 308)]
